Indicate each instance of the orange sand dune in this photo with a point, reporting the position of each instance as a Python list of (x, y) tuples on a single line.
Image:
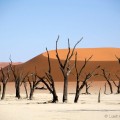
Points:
[(99, 54), (105, 57), (4, 64)]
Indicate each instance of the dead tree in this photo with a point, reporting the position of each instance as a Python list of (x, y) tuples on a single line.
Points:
[(24, 82), (4, 80), (78, 74), (48, 80), (33, 83), (25, 86), (65, 68), (16, 78), (0, 90), (99, 96), (117, 85), (105, 88), (107, 78), (87, 86), (51, 80), (36, 79)]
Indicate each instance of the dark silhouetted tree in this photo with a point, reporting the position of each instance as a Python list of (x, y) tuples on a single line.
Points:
[(4, 80), (18, 78), (105, 88), (49, 81), (65, 67), (87, 86), (107, 77), (78, 74), (33, 83), (99, 96), (117, 85)]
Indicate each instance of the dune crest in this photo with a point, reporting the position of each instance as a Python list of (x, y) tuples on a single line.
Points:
[(99, 54)]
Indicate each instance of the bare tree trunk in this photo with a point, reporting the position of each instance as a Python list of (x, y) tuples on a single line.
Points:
[(32, 88), (99, 96), (0, 90), (18, 92), (119, 87), (65, 90), (4, 80), (107, 78), (17, 87), (105, 89), (77, 92), (87, 89), (110, 85), (3, 92), (31, 93), (55, 97), (17, 79), (33, 84), (87, 86), (77, 96), (25, 86), (118, 90)]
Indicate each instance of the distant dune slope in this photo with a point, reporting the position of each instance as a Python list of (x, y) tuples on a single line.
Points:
[(4, 64), (105, 57)]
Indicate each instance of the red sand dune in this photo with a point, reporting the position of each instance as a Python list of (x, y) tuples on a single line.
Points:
[(105, 57), (4, 64)]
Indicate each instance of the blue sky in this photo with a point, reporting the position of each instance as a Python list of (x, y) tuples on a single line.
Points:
[(27, 27)]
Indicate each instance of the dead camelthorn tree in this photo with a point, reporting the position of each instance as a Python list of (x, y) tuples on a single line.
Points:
[(33, 83), (64, 66), (48, 81), (105, 88), (87, 86), (99, 96), (117, 85), (0, 90), (24, 82), (4, 80), (25, 86), (78, 74), (107, 77), (16, 79)]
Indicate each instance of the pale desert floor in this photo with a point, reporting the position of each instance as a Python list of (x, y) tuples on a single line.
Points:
[(87, 107)]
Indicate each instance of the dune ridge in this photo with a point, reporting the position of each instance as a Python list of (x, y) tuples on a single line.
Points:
[(99, 54)]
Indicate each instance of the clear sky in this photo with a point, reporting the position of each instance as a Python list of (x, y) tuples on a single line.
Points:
[(27, 27)]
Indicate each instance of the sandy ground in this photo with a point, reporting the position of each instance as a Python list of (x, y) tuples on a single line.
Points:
[(87, 107)]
